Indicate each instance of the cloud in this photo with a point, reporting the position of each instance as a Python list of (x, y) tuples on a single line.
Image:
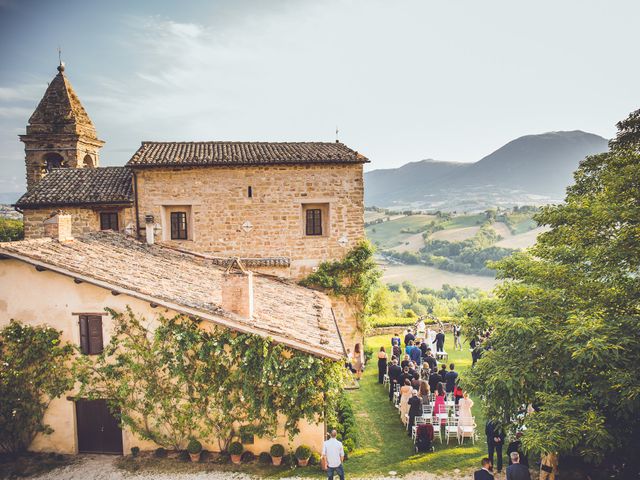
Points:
[(15, 112)]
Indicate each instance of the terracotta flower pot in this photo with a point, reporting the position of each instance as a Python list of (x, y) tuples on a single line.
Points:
[(303, 462), (276, 460), (195, 457), (237, 459)]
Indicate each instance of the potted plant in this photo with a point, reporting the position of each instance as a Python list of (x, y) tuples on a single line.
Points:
[(194, 448), (276, 451), (303, 452), (235, 450)]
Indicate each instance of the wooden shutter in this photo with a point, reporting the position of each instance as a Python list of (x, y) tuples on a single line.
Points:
[(95, 334), (84, 335)]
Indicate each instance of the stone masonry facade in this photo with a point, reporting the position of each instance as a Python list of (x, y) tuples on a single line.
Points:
[(224, 220), (84, 220)]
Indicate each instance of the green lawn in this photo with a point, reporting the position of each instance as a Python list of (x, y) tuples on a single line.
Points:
[(389, 235), (460, 221), (383, 442)]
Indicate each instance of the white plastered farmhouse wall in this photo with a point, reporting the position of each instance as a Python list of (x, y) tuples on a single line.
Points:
[(50, 298)]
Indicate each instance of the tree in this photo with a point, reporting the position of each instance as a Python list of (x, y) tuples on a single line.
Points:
[(566, 331), (11, 230), (35, 368), (176, 380)]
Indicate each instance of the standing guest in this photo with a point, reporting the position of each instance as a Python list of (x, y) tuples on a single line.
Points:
[(420, 328), (517, 471), (415, 410), (485, 472), (443, 372), (349, 362), (358, 361), (424, 393), (405, 375), (457, 331), (394, 376), (495, 440), (395, 340), (405, 361), (450, 378), (516, 446), (397, 351), (408, 348), (416, 354), (431, 336), (409, 337), (440, 406), (405, 395), (549, 466), (425, 371), (382, 364), (415, 382), (423, 349), (434, 380), (439, 341), (333, 455), (433, 363), (465, 417)]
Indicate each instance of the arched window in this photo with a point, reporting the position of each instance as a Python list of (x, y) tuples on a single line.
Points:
[(87, 162), (52, 160)]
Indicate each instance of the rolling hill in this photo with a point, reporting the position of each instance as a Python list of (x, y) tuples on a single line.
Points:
[(534, 169)]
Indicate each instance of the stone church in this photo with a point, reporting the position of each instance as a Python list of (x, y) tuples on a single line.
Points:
[(157, 234)]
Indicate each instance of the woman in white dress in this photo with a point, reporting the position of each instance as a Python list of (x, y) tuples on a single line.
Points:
[(465, 418)]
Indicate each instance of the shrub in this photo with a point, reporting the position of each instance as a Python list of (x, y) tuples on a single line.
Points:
[(349, 444), (194, 446), (11, 230), (236, 448), (288, 459), (27, 386), (248, 457), (135, 451), (183, 456), (303, 452), (314, 459), (264, 458), (276, 450), (160, 453)]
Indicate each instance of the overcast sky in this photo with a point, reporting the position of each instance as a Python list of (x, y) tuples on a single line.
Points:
[(403, 80)]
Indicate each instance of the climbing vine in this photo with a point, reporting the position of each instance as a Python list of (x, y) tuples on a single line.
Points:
[(355, 278), (175, 379)]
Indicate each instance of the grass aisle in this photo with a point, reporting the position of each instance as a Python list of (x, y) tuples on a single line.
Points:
[(383, 442)]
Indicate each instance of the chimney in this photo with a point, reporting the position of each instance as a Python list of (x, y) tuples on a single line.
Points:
[(149, 229), (58, 227), (237, 290)]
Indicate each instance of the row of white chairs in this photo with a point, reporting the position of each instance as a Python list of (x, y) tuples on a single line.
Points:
[(452, 429)]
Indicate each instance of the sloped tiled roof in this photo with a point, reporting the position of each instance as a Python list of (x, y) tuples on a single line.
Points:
[(60, 111), (158, 154), (288, 313), (80, 186)]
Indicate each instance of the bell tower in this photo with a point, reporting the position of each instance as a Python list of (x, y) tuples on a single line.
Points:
[(60, 134)]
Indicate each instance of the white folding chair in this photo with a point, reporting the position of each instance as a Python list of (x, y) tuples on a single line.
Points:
[(385, 379), (451, 429), (413, 433), (467, 431), (427, 410)]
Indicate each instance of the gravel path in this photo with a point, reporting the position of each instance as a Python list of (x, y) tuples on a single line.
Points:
[(102, 467)]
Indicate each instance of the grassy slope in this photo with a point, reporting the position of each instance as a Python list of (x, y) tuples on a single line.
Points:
[(388, 234), (384, 445)]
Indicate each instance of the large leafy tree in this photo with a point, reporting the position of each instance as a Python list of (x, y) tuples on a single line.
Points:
[(566, 331)]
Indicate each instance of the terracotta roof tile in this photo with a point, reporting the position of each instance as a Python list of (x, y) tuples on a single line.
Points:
[(80, 186), (158, 154), (288, 313)]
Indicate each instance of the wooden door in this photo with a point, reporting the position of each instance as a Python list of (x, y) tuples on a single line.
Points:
[(98, 430)]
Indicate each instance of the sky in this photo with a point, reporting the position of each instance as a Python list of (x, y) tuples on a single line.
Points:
[(402, 80)]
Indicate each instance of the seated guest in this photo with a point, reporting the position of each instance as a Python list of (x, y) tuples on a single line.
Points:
[(485, 472), (405, 361), (517, 471), (443, 372)]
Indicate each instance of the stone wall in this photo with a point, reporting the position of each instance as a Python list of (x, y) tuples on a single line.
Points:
[(83, 220), (224, 220)]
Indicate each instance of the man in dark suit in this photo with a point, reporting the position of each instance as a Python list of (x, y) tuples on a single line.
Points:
[(415, 410), (434, 380), (495, 440), (484, 473), (433, 364), (394, 377), (517, 471), (450, 379), (439, 341), (409, 337)]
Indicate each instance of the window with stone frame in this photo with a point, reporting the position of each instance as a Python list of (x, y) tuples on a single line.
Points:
[(179, 230), (109, 221), (315, 219)]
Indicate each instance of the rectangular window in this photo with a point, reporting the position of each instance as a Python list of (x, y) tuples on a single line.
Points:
[(249, 192), (314, 221), (109, 221), (91, 334), (178, 225)]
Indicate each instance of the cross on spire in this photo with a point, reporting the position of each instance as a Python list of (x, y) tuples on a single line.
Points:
[(60, 63)]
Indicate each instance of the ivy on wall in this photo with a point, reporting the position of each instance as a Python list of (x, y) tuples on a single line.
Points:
[(177, 381)]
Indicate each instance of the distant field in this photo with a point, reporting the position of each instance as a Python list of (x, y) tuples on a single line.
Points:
[(524, 240), (428, 277), (502, 229), (455, 234), (370, 216), (412, 243), (464, 221), (522, 222), (389, 235)]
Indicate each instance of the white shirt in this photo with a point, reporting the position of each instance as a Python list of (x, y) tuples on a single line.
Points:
[(332, 450)]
